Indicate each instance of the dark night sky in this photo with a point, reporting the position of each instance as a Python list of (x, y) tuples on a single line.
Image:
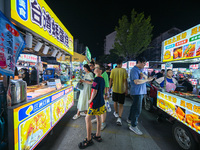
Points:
[(90, 21)]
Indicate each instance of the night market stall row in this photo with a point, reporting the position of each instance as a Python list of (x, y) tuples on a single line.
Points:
[(182, 106), (29, 113), (78, 61)]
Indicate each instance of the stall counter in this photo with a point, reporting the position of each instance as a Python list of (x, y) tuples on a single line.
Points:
[(185, 110), (34, 119)]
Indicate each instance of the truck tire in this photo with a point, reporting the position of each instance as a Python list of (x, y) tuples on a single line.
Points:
[(183, 137)]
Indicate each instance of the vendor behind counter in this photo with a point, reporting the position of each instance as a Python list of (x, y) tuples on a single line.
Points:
[(171, 82), (185, 82), (33, 76), (25, 76)]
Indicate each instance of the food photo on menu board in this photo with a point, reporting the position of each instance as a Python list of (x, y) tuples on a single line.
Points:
[(189, 50), (58, 110), (185, 45), (198, 49), (177, 52), (33, 129), (167, 55), (188, 118), (69, 101)]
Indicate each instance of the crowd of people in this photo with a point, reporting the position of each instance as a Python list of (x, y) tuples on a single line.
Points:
[(93, 98), (97, 84)]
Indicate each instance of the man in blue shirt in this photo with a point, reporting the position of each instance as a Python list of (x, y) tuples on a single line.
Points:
[(137, 92)]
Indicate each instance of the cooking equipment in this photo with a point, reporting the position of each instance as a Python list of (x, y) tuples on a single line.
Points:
[(23, 87), (17, 91)]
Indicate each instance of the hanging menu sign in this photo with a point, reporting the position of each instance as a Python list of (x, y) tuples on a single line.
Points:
[(11, 45)]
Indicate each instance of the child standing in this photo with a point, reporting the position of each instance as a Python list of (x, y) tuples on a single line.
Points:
[(97, 107)]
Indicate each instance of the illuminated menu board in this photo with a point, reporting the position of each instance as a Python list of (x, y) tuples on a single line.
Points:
[(34, 120), (185, 45)]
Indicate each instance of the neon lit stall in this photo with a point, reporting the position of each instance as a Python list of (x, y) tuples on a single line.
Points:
[(184, 107), (32, 118)]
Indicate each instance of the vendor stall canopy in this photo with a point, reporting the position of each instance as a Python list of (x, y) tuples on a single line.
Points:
[(75, 58), (44, 33)]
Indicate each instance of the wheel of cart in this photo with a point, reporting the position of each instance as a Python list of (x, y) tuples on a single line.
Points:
[(147, 103), (184, 137)]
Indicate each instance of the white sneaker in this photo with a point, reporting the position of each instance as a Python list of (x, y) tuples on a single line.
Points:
[(135, 130), (119, 122), (103, 126), (76, 117), (128, 121), (94, 120), (116, 115), (82, 114)]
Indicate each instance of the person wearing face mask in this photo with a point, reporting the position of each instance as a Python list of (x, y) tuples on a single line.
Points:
[(170, 81)]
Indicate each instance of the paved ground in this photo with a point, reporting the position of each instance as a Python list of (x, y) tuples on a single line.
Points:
[(68, 133)]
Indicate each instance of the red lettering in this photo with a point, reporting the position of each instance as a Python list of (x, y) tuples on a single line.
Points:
[(181, 42), (68, 90), (2, 49), (13, 31)]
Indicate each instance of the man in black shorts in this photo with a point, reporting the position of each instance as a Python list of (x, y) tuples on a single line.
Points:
[(118, 78)]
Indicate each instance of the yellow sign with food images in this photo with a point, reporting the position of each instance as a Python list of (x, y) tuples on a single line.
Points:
[(69, 101), (58, 110), (34, 128), (60, 107), (33, 120), (184, 110), (185, 45)]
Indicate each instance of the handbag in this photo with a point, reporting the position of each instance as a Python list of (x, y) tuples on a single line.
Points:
[(80, 85)]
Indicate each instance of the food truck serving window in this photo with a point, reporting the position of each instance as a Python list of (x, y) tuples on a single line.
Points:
[(39, 18), (185, 45)]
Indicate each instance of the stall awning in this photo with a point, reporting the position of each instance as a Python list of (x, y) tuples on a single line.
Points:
[(75, 58), (50, 60)]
